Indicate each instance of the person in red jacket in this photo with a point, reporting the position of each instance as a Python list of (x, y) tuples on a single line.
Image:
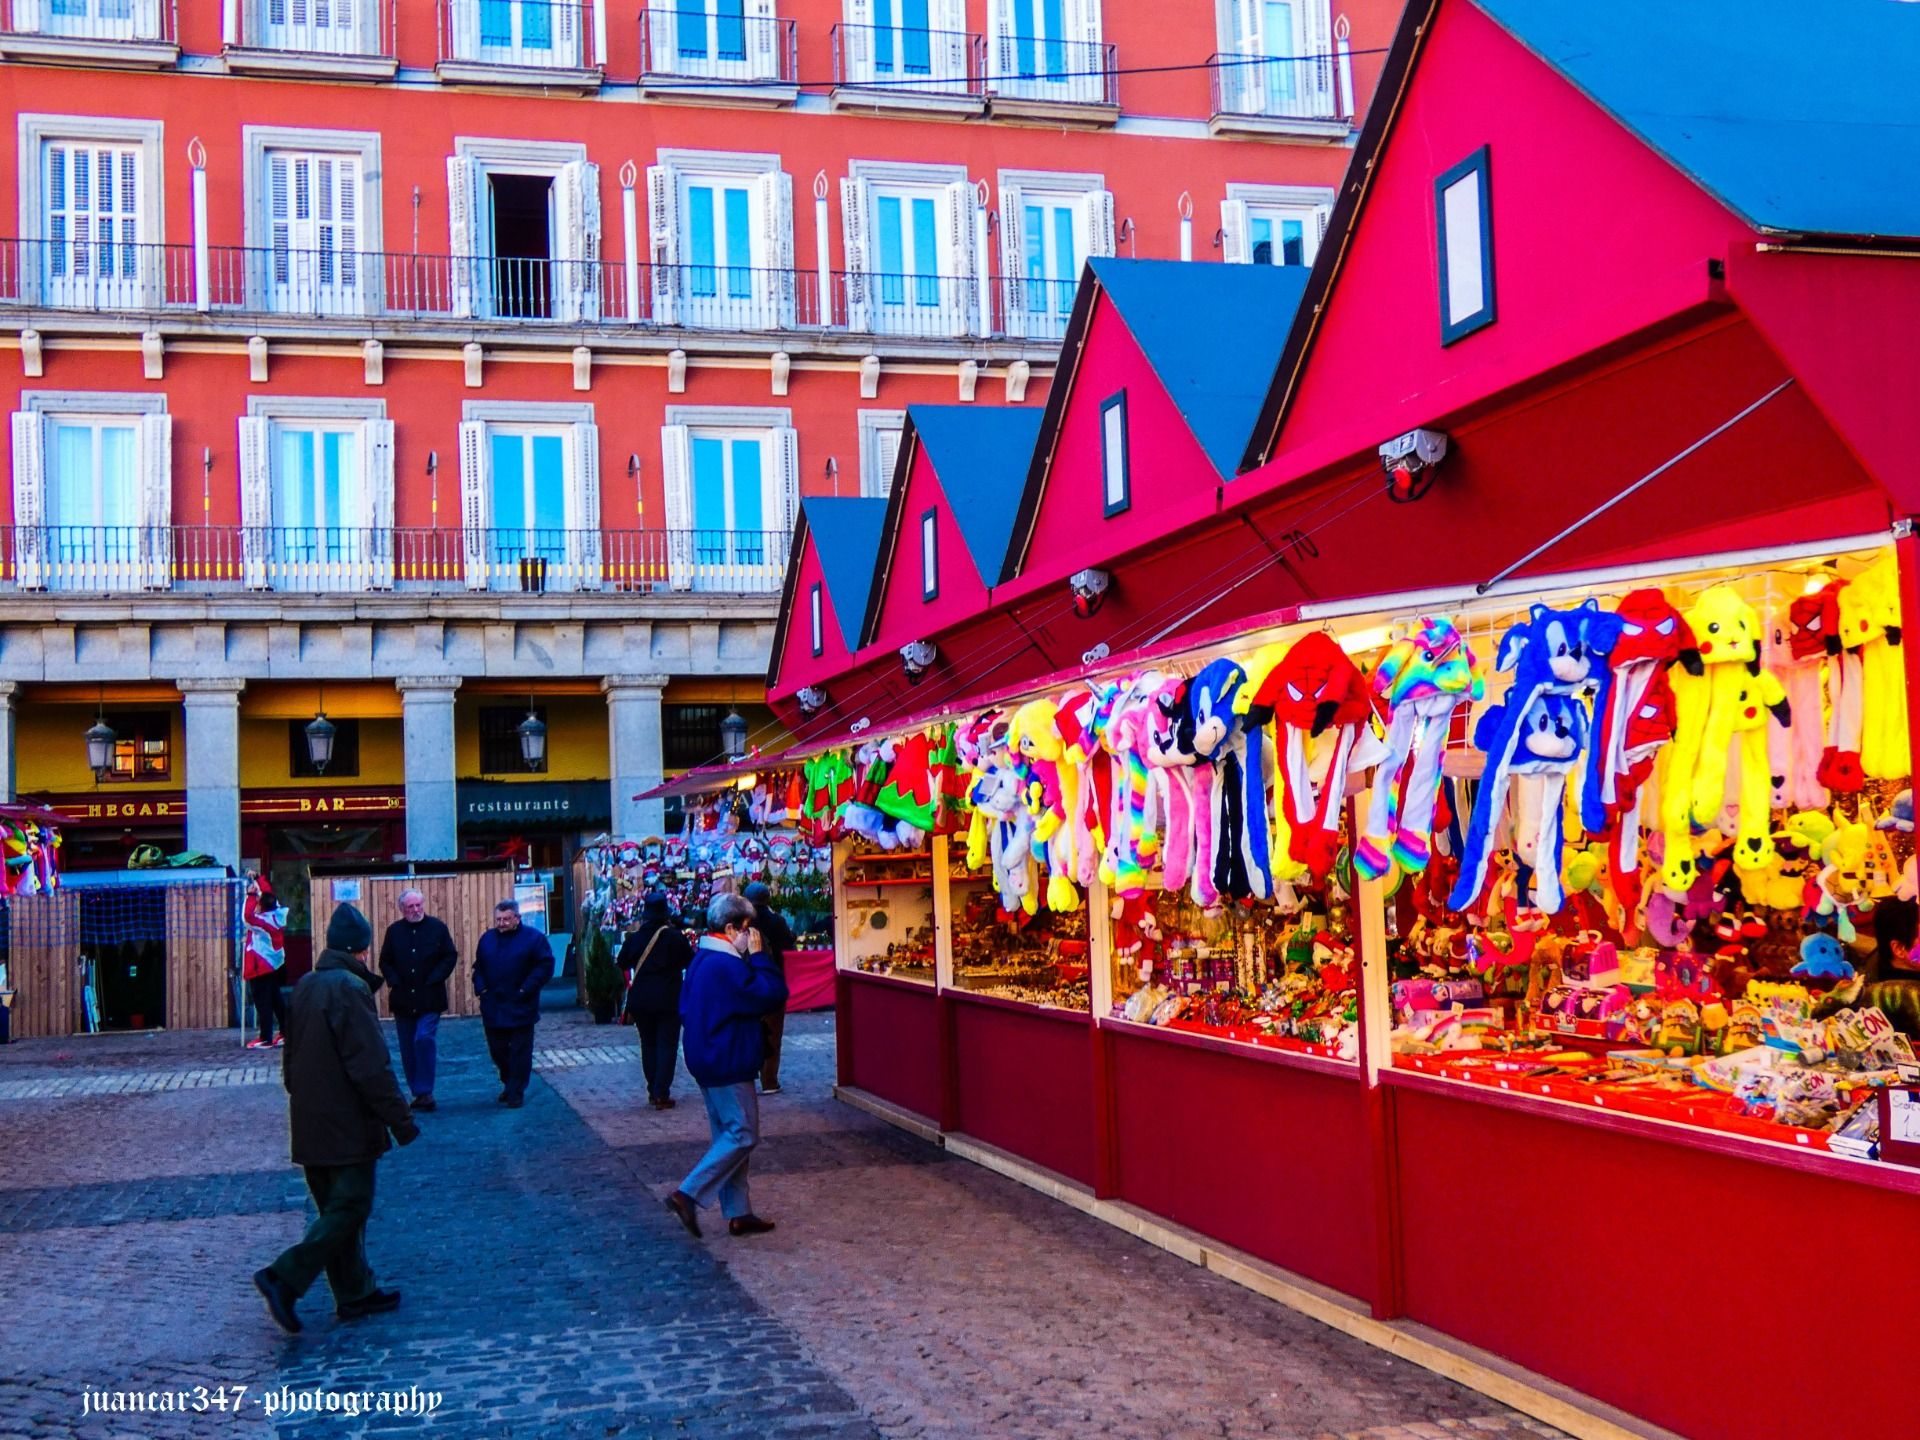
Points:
[(263, 966)]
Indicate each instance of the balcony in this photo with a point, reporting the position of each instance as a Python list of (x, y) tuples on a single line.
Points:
[(1278, 96), (331, 38), (133, 34), (1035, 308), (1052, 82), (103, 560), (541, 44), (906, 71), (695, 58)]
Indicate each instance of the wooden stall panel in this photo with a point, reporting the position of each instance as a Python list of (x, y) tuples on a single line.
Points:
[(202, 954), (465, 902), (895, 1043), (1025, 1080), (43, 963)]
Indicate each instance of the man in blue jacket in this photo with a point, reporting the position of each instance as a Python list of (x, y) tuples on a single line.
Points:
[(729, 986), (510, 965)]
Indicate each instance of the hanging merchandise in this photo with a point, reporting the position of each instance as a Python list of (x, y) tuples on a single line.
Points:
[(1422, 679), (1133, 844), (1315, 691), (1179, 795), (1875, 631), (1808, 668)]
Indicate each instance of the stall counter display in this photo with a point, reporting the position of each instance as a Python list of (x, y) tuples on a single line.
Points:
[(887, 901), (1693, 899), (1280, 977), (1037, 958)]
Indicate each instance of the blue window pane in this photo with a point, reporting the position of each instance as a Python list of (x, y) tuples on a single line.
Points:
[(690, 26), (748, 503), (293, 512), (730, 29), (700, 237), (536, 24), (925, 251), (549, 538), (1277, 22), (1023, 36), (709, 498), (1067, 264), (883, 37), (1035, 259), (893, 252), (331, 505), (117, 506), (1260, 240), (496, 22), (915, 46), (1055, 13), (739, 277), (509, 497), (1293, 243)]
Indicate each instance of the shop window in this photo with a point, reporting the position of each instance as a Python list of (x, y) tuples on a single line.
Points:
[(1115, 468), (930, 555), (690, 735), (500, 740), (142, 746), (1464, 212), (345, 763)]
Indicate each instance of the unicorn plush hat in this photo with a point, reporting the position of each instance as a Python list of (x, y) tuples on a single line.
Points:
[(1422, 680), (1553, 655)]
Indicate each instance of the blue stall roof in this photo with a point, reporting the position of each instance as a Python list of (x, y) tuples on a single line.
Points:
[(1799, 117), (846, 536), (981, 454), (1213, 334)]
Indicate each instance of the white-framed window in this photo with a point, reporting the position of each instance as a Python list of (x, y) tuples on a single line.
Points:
[(530, 496), (1273, 224), (713, 39), (314, 27), (316, 494), (929, 554), (732, 482), (1116, 465), (1050, 225), (1286, 50), (909, 234), (721, 235), (91, 212), (1047, 50), (880, 432), (524, 231), (535, 34), (88, 19), (92, 491), (313, 220), (918, 45), (1463, 206), (816, 618)]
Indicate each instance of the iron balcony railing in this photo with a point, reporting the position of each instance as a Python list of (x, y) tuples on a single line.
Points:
[(122, 559), (96, 21), (1274, 87), (519, 34), (900, 58), (1066, 72), (688, 43), (319, 27), (1034, 307)]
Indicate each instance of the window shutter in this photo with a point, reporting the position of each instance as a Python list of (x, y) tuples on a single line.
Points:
[(1248, 82), (1013, 255), (948, 46), (1318, 70), (476, 505), (886, 459), (583, 503), (1083, 23), (146, 19), (957, 284), (256, 499), (462, 183), (576, 206), (1233, 233), (1321, 215), (566, 29), (663, 35), (856, 54), (1102, 231), (663, 234), (26, 16), (855, 200), (466, 31), (773, 195), (676, 476), (763, 40), (156, 498), (786, 472), (29, 500), (376, 468), (1002, 56)]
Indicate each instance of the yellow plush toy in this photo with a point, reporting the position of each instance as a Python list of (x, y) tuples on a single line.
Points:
[(1870, 624), (1052, 797)]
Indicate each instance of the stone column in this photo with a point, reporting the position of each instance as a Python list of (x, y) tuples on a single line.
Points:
[(213, 766), (9, 773), (635, 752), (426, 731)]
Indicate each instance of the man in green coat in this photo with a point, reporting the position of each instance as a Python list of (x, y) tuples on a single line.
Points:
[(342, 1100)]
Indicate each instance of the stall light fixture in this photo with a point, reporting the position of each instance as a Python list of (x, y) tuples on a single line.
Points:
[(533, 738), (733, 735), (811, 698), (916, 658)]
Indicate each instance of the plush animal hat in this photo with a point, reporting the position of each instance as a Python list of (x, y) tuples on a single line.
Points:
[(1315, 689), (1238, 825)]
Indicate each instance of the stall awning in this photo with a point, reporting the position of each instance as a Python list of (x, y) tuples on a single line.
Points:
[(703, 779)]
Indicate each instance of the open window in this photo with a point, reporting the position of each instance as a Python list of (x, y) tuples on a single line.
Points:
[(530, 496), (93, 492), (525, 223), (1048, 50), (725, 40)]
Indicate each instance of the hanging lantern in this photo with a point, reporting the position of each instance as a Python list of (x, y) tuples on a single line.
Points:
[(320, 733), (733, 735), (533, 740), (100, 742)]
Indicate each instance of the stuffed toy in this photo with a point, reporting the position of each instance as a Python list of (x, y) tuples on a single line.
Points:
[(1239, 828), (1132, 846), (1421, 680), (1899, 817), (1553, 654), (1843, 888), (1080, 718), (1179, 791), (1840, 767), (1053, 794), (1821, 958), (999, 795), (1632, 719), (862, 815), (1315, 689), (908, 793), (1812, 644), (1261, 743), (1873, 628), (829, 780)]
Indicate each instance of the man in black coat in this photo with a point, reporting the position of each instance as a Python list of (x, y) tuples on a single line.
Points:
[(776, 939), (342, 1101), (510, 965), (417, 957)]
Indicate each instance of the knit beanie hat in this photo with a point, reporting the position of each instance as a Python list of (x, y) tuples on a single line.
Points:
[(348, 930)]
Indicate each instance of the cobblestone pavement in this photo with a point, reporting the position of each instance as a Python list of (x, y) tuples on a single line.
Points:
[(907, 1293)]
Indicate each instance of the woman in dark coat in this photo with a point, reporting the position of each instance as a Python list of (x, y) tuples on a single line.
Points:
[(656, 955)]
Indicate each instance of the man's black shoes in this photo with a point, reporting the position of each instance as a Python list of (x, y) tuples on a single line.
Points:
[(280, 1300), (683, 1210), (374, 1302)]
